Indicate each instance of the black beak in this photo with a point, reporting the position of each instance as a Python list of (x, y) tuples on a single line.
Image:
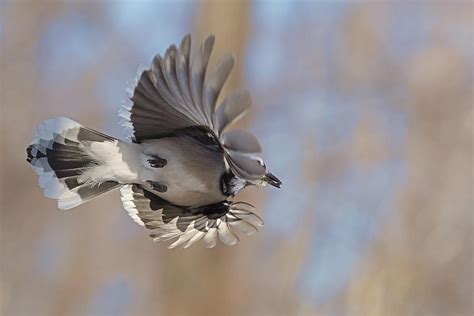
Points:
[(272, 180)]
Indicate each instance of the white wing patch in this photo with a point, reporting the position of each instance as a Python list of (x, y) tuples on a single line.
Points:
[(129, 205)]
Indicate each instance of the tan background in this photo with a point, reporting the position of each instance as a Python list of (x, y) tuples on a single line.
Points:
[(365, 110)]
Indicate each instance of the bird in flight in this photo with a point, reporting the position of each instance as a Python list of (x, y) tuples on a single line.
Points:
[(180, 167)]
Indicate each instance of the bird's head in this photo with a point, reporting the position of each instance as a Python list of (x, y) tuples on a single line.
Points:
[(244, 163), (267, 178), (233, 184)]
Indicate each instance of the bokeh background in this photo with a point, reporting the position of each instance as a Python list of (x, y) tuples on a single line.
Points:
[(364, 110)]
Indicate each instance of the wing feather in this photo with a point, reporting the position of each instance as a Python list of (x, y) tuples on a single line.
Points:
[(197, 76), (215, 83), (241, 141), (232, 109), (182, 67), (187, 226)]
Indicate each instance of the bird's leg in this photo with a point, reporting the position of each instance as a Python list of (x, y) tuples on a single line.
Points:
[(157, 162), (157, 186)]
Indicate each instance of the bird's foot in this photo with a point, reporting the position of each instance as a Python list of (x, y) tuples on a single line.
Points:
[(157, 162), (157, 186)]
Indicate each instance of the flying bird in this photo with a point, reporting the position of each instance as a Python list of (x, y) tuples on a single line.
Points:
[(180, 167)]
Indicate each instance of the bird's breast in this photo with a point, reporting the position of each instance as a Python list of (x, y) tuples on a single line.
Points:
[(192, 173)]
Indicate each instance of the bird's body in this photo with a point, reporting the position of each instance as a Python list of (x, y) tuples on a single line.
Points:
[(181, 167), (192, 174)]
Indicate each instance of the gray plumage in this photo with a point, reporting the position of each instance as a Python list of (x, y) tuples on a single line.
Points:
[(182, 166), (188, 163)]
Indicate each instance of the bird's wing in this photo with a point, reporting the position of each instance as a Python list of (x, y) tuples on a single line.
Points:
[(186, 226), (177, 92)]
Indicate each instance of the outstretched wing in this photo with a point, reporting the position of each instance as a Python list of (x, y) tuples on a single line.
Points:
[(177, 92), (189, 225)]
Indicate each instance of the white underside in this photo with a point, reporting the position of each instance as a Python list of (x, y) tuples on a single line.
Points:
[(118, 161)]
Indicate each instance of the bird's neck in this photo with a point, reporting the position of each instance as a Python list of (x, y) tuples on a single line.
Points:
[(231, 184)]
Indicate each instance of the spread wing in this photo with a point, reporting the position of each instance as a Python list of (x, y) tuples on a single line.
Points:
[(186, 226), (178, 92)]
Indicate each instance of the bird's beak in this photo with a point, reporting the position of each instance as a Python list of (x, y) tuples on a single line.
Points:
[(272, 180)]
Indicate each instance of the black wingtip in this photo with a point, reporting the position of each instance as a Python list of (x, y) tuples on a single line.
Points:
[(29, 155)]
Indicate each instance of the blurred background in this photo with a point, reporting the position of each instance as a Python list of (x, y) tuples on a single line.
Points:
[(364, 110)]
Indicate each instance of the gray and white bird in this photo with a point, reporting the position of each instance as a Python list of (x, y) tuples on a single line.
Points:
[(181, 166)]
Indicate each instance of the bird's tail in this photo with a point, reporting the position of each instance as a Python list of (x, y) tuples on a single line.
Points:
[(62, 157)]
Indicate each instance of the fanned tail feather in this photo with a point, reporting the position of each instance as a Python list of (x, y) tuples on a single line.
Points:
[(59, 156)]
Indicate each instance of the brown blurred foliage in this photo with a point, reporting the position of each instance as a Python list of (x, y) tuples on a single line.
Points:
[(421, 262)]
